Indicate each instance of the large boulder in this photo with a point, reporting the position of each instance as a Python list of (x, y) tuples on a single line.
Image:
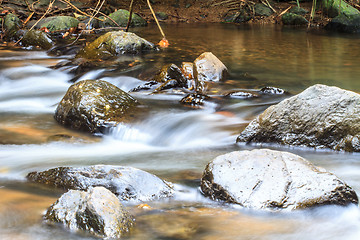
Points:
[(267, 179), (345, 24), (126, 182), (121, 17), (208, 68), (94, 105), (97, 211), (334, 8), (115, 43), (319, 117)]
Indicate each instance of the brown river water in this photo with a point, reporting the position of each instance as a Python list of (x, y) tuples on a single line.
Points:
[(174, 142)]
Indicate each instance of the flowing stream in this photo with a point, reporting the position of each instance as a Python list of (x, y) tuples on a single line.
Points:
[(174, 142)]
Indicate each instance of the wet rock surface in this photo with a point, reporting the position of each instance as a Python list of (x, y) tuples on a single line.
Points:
[(116, 43), (37, 38), (170, 76), (319, 117), (345, 24), (207, 67), (267, 179), (97, 211), (95, 105), (126, 182)]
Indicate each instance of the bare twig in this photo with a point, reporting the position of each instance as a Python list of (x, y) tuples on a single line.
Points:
[(156, 20), (97, 10), (78, 10), (106, 16), (283, 12), (130, 16)]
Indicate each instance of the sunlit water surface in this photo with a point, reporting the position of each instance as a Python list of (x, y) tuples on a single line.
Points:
[(174, 142)]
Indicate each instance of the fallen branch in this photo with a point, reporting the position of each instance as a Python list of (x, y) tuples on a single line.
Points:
[(106, 16), (130, 15), (156, 20), (78, 10)]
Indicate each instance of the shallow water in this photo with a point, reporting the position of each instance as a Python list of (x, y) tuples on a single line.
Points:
[(174, 142)]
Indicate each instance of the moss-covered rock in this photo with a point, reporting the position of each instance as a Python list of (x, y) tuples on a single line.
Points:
[(238, 17), (262, 10), (94, 105), (298, 10), (97, 211), (115, 43), (37, 38), (333, 8), (293, 19), (121, 17), (346, 24), (58, 23), (267, 179), (161, 16), (11, 25)]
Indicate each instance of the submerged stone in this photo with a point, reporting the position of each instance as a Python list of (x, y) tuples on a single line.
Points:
[(194, 99), (319, 117), (121, 17), (115, 43), (126, 182), (267, 179), (97, 211), (272, 91), (94, 105)]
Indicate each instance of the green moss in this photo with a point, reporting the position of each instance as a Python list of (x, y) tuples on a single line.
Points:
[(121, 17), (11, 25), (331, 8), (293, 19), (115, 43), (59, 23)]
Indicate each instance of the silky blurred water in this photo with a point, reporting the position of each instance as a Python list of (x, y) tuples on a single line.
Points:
[(174, 142)]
